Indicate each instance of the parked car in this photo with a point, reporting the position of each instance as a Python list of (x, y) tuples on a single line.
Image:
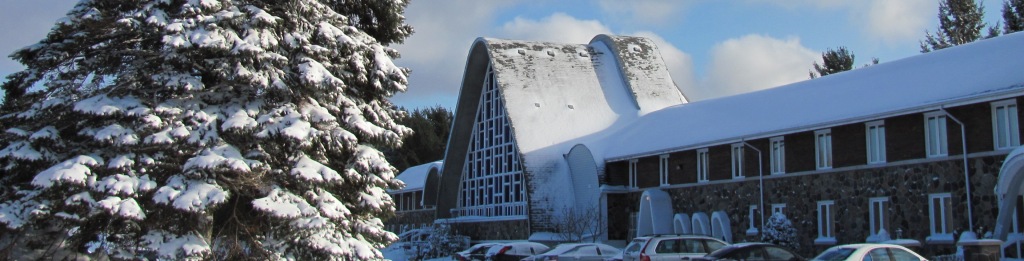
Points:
[(515, 251), (476, 252), (670, 247), (753, 252), (577, 252), (414, 242), (869, 252)]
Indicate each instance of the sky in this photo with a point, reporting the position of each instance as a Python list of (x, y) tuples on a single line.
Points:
[(712, 48)]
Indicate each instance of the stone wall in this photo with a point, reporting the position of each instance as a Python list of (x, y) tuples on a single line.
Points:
[(405, 220), (906, 185)]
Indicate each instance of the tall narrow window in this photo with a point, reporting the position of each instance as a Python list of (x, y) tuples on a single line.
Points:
[(940, 207), (879, 222), (663, 169), (492, 162), (737, 160), (778, 155), (632, 173), (702, 165), (1005, 124), (826, 223), (936, 143), (823, 148), (752, 218), (876, 142)]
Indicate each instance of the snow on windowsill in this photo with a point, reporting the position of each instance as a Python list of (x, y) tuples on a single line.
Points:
[(936, 239), (825, 241), (752, 231)]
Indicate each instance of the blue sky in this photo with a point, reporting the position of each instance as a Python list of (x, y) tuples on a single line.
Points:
[(713, 48)]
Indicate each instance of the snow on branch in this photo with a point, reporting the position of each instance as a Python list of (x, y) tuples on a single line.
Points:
[(74, 171), (190, 195)]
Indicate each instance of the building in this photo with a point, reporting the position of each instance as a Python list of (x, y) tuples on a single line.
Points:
[(919, 148), (410, 210)]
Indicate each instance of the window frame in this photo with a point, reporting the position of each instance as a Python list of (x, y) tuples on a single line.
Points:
[(826, 223), (879, 213), (633, 182), (1011, 128), (779, 208), (702, 165), (737, 160), (941, 141), (777, 161), (823, 149), (875, 147), (944, 233), (663, 170), (751, 217)]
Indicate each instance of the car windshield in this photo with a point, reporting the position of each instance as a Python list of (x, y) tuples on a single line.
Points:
[(835, 254)]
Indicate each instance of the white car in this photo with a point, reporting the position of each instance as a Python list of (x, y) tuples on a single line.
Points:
[(577, 252), (869, 252), (515, 251), (670, 247)]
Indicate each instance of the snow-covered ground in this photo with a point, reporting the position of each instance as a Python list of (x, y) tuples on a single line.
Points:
[(398, 254)]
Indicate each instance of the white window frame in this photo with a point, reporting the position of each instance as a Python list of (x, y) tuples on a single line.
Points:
[(493, 183), (752, 217), (663, 169), (875, 136), (826, 223), (632, 173), (940, 215), (823, 149), (936, 138), (778, 155), (779, 208), (1005, 130), (702, 165), (737, 160), (878, 218)]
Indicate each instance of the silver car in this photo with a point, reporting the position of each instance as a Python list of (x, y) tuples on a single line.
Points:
[(670, 247)]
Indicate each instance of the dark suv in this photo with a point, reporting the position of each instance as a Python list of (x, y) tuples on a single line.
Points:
[(670, 247)]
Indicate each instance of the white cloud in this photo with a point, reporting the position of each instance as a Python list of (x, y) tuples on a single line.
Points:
[(755, 62), (444, 31), (895, 22), (559, 27)]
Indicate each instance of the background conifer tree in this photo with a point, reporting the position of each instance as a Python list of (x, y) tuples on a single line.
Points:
[(427, 142), (833, 61), (204, 129), (1013, 16), (960, 22)]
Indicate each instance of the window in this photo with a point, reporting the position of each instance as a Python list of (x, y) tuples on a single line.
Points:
[(737, 160), (940, 209), (779, 208), (879, 224), (935, 134), (663, 169), (752, 217), (823, 149), (492, 177), (702, 165), (876, 142), (826, 223), (632, 173), (1005, 125), (778, 155)]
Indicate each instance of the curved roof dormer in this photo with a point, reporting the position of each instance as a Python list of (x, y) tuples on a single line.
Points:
[(644, 71)]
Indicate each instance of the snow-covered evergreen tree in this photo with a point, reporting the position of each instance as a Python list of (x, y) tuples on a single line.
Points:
[(204, 129), (780, 231)]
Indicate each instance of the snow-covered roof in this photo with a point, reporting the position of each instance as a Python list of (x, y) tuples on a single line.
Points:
[(415, 177), (984, 69)]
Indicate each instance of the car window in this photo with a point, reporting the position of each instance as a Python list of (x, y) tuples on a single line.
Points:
[(713, 245), (634, 246), (607, 250), (775, 253), (668, 246), (903, 255), (878, 254), (835, 254), (585, 251), (695, 246)]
